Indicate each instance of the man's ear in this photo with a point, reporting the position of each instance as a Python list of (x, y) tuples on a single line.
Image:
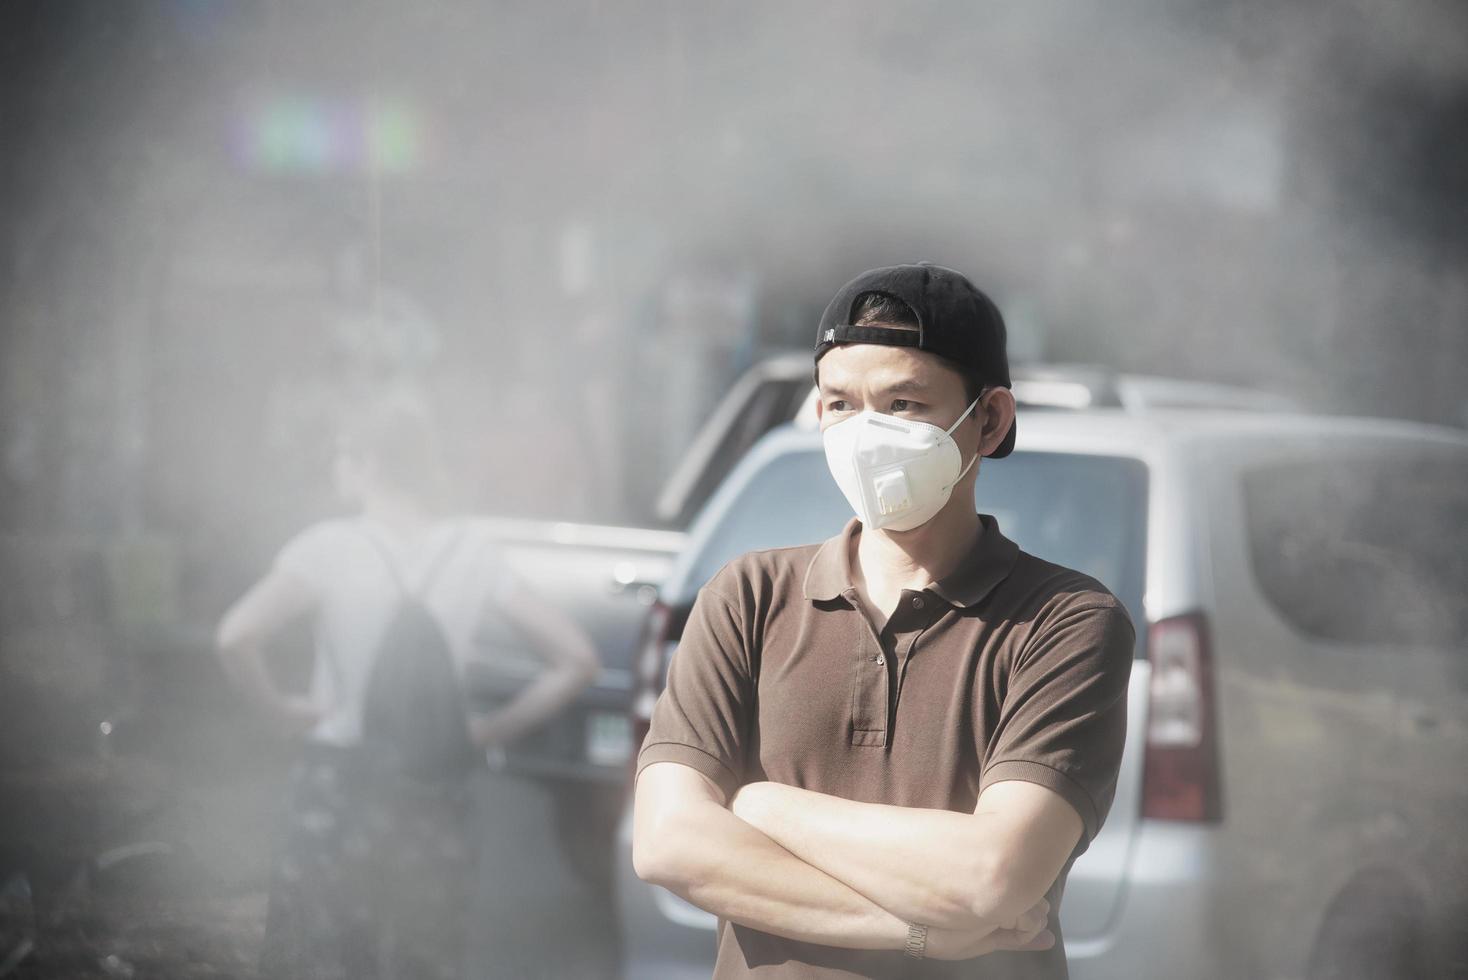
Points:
[(998, 409)]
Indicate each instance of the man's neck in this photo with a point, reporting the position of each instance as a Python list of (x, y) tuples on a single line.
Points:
[(401, 516), (884, 563)]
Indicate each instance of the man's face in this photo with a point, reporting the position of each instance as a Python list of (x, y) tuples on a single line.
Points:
[(900, 381)]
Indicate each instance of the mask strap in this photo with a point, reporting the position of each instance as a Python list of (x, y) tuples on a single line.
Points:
[(965, 468), (949, 430), (955, 425)]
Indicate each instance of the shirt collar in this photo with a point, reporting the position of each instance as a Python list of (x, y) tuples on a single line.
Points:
[(986, 565), (829, 572)]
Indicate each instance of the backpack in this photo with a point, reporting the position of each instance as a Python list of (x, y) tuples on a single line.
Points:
[(415, 720)]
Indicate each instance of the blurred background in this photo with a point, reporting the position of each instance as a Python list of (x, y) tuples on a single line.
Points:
[(569, 227)]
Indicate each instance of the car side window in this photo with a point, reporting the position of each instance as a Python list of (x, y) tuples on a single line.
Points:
[(790, 501), (1369, 549)]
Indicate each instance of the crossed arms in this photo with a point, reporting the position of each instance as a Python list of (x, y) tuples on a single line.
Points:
[(826, 870)]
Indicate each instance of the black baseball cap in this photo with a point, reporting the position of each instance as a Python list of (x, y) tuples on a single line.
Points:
[(955, 320)]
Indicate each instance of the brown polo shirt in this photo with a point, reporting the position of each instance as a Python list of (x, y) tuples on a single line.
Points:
[(1011, 667)]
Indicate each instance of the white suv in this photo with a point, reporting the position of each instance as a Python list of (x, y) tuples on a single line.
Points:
[(1291, 795)]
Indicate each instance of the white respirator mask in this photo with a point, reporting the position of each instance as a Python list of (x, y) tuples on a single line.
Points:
[(896, 473)]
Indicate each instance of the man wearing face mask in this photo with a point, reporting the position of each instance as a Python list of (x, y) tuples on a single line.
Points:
[(880, 755)]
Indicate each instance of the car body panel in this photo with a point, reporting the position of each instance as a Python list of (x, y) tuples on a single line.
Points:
[(1330, 767), (602, 578)]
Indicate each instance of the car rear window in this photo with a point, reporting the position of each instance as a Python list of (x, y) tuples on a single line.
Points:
[(1366, 548), (1084, 512)]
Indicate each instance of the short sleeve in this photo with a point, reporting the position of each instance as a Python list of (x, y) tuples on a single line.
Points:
[(702, 719), (1062, 722), (490, 571), (314, 556)]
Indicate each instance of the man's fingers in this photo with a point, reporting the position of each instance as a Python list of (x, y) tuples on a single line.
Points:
[(1034, 919)]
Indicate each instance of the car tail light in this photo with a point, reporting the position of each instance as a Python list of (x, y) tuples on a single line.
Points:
[(1180, 778), (649, 676)]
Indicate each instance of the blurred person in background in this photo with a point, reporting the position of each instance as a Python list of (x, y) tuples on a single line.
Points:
[(373, 873)]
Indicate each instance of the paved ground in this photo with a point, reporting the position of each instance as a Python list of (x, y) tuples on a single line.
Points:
[(532, 916)]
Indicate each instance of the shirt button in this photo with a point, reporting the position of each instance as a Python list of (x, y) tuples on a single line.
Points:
[(881, 661), (917, 602)]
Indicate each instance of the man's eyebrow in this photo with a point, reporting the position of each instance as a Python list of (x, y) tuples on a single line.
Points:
[(906, 386)]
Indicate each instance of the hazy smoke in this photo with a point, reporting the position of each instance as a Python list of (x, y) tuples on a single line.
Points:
[(1263, 192)]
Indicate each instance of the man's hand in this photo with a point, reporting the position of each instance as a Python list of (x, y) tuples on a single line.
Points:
[(295, 715), (1028, 933), (489, 731), (572, 661)]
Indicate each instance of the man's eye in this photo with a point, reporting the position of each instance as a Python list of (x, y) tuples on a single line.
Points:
[(836, 405), (901, 405)]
